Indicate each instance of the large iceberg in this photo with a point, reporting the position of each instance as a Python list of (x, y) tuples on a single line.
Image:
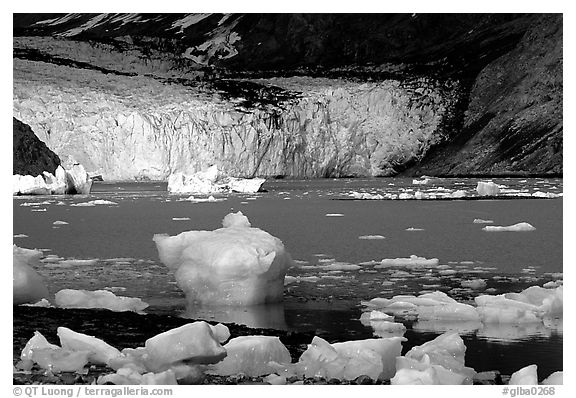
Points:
[(74, 180), (233, 265), (28, 286), (211, 181)]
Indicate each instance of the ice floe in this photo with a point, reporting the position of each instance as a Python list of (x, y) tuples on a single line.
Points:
[(412, 261), (69, 298), (371, 237), (211, 181), (520, 227), (480, 221), (92, 203), (233, 265)]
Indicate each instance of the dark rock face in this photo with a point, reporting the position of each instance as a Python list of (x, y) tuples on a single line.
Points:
[(513, 123), (30, 155), (507, 67)]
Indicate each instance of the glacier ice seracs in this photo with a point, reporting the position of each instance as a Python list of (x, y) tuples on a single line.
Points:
[(27, 286), (233, 265), (211, 181)]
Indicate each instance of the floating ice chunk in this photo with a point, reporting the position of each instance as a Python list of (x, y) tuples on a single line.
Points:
[(92, 203), (549, 195), (334, 215), (100, 351), (412, 261), (37, 342), (275, 379), (366, 196), (234, 265), (75, 262), (376, 316), (423, 181), (61, 360), (458, 194), (78, 180), (525, 376), (27, 286), (339, 266), (250, 355), (69, 298), (181, 218), (414, 229), (348, 360), (487, 188), (194, 343), (51, 357), (209, 199), (58, 222), (480, 221), (476, 284), (129, 376), (371, 237), (42, 303), (531, 305), (440, 361), (520, 227), (20, 236), (555, 379), (211, 181)]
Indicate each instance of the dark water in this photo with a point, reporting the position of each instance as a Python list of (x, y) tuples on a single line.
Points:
[(119, 238)]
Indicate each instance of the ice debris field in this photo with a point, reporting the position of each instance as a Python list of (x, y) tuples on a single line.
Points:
[(393, 295)]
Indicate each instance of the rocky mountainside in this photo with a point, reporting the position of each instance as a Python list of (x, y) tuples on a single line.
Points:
[(313, 95), (31, 156)]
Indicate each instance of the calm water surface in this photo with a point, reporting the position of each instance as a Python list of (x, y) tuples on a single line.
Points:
[(320, 224)]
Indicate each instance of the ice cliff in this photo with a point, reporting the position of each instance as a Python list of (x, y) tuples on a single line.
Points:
[(136, 96)]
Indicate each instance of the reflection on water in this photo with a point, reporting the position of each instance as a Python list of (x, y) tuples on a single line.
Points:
[(270, 316)]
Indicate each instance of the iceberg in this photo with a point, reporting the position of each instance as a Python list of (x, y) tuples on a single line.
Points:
[(129, 376), (525, 376), (533, 304), (27, 286), (555, 378), (439, 361), (251, 355), (51, 357), (194, 343), (487, 188), (100, 352), (73, 180), (348, 360), (69, 298), (211, 181), (520, 227), (234, 265), (428, 306)]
